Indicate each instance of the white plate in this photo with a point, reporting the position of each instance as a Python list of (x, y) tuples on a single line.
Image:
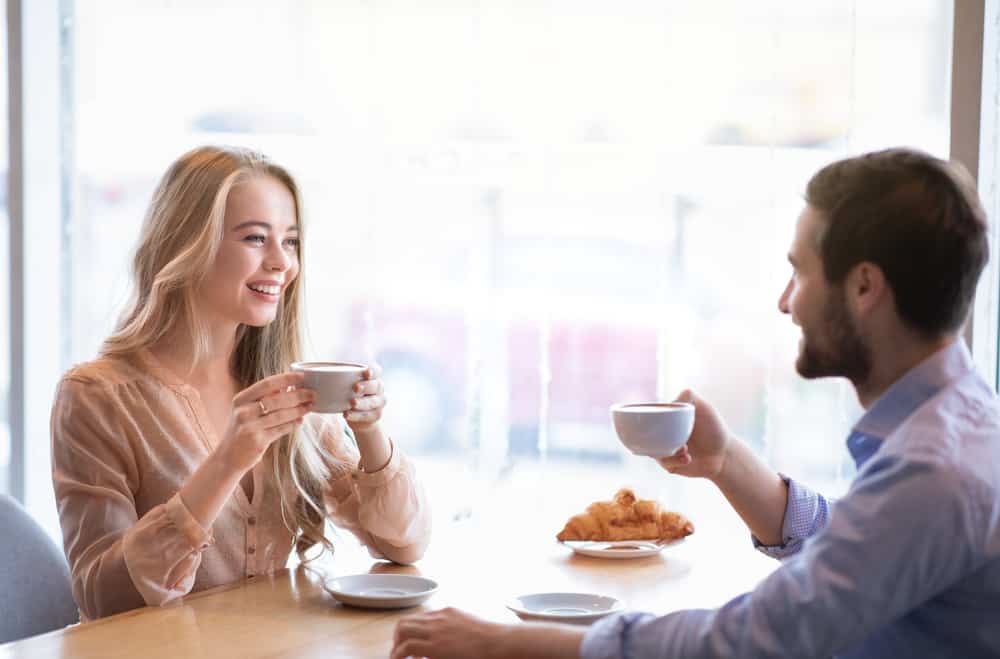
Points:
[(576, 608), (619, 549), (381, 591)]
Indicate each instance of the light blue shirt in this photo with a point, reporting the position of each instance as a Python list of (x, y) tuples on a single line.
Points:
[(906, 564)]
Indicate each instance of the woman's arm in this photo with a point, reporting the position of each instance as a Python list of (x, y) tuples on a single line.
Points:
[(262, 414), (386, 509)]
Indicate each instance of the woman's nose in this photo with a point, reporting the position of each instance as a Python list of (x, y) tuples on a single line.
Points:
[(278, 260)]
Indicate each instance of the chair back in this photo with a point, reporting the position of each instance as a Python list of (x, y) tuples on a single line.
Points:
[(35, 591)]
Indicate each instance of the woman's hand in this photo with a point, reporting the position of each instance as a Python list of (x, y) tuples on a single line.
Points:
[(706, 450), (366, 407), (263, 413), (444, 634)]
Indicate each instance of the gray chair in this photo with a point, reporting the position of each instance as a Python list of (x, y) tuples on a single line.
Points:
[(35, 592)]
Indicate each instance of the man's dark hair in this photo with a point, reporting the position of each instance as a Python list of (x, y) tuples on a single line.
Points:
[(916, 217)]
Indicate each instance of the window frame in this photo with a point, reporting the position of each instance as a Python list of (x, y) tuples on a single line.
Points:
[(40, 198)]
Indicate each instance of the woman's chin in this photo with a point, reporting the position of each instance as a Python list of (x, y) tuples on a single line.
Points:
[(258, 321)]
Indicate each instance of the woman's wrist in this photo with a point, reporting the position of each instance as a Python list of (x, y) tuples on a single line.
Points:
[(209, 487), (374, 446)]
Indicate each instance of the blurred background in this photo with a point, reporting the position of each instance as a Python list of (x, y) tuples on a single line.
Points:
[(523, 211)]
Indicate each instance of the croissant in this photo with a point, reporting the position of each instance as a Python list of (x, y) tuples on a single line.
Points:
[(626, 518)]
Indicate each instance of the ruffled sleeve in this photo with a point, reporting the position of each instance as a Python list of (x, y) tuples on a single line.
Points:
[(386, 509), (117, 560)]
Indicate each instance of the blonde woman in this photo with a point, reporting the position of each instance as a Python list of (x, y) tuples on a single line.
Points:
[(183, 457)]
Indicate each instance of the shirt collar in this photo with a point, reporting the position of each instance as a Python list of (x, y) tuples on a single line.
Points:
[(912, 390)]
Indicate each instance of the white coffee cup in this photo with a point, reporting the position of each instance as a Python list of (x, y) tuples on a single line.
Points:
[(333, 383), (654, 429)]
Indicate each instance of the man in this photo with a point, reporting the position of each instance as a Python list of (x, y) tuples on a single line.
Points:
[(885, 260)]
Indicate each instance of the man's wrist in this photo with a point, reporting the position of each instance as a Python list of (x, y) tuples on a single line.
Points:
[(723, 479)]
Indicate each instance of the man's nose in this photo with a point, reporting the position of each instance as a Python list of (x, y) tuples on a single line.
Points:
[(783, 300)]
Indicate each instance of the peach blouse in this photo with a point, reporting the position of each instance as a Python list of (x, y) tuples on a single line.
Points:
[(126, 436)]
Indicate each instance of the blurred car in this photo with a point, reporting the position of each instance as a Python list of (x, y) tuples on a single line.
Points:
[(570, 327)]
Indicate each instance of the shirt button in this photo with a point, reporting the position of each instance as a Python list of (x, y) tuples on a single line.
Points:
[(251, 549), (251, 521)]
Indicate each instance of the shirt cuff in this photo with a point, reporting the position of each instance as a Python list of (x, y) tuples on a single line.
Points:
[(182, 518), (608, 638), (383, 475), (801, 521)]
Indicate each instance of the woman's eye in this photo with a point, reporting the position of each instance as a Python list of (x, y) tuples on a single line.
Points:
[(293, 243), (256, 238)]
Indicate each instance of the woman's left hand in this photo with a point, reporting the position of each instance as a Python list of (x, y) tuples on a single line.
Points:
[(369, 401)]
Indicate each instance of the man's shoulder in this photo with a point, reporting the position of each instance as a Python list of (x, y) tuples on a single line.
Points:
[(957, 431)]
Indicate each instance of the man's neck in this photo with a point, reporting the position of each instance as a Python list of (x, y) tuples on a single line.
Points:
[(894, 359)]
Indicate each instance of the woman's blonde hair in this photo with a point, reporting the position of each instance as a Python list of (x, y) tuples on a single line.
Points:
[(180, 238)]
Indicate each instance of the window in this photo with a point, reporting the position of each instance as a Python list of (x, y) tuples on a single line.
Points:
[(6, 448), (525, 213)]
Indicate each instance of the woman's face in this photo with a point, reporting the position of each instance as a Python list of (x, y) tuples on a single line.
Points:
[(258, 257)]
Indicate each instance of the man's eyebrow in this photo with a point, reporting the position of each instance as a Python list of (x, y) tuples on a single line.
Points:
[(260, 223)]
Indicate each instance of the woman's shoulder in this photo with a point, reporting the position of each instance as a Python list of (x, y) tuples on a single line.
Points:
[(105, 371)]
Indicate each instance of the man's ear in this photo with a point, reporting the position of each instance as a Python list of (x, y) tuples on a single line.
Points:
[(865, 287)]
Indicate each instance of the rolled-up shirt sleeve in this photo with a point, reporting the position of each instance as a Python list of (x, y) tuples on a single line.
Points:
[(118, 561), (806, 513), (886, 549), (387, 510)]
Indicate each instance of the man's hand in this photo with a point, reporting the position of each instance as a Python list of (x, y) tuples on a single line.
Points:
[(704, 454), (445, 634)]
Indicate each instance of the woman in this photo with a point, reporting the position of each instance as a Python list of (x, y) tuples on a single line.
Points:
[(183, 457)]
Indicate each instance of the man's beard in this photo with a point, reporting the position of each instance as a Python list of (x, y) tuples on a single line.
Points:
[(844, 353)]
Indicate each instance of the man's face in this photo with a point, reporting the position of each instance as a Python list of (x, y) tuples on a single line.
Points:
[(831, 344)]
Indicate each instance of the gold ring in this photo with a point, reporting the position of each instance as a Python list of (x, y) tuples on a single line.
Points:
[(263, 410)]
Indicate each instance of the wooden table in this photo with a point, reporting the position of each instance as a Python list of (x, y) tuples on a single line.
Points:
[(289, 614)]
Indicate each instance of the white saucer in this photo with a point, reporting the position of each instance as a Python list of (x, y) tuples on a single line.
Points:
[(576, 608), (381, 591), (619, 549)]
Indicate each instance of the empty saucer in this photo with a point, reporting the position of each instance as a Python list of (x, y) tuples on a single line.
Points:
[(381, 591), (578, 608)]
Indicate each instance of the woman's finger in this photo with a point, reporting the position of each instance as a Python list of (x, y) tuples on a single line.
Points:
[(354, 416), (277, 432), (367, 403), (292, 398), (282, 416), (372, 372), (267, 386), (369, 387)]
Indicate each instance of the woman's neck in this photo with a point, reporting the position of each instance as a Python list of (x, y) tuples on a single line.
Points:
[(175, 350)]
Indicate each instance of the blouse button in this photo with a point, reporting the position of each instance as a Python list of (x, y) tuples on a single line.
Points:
[(251, 521), (251, 549)]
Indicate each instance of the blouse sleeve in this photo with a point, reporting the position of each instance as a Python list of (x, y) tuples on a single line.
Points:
[(117, 560), (387, 510)]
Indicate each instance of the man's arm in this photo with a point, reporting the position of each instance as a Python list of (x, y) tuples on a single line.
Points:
[(899, 537), (454, 634), (757, 493)]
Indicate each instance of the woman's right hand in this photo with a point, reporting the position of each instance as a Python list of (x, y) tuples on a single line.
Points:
[(263, 413), (705, 453)]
